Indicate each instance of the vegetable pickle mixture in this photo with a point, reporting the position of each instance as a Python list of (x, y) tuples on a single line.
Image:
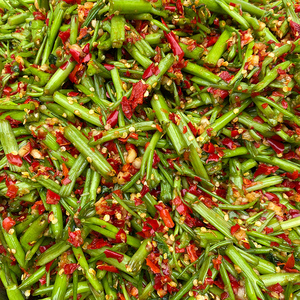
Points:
[(150, 149)]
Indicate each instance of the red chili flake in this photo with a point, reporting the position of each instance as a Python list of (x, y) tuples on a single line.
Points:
[(48, 265), (264, 105), (108, 268), (8, 223), (272, 197), (278, 147), (224, 296), (86, 48), (274, 244), (285, 237), (178, 250), (217, 262), (98, 136), (211, 40), (290, 262), (208, 202), (12, 191), (43, 280), (264, 169), (144, 190), (294, 213), (73, 1), (170, 8), (165, 215), (151, 70), (137, 94), (126, 108), (284, 104), (73, 94), (70, 268), (14, 159), (52, 198), (209, 130), (121, 236), (258, 120), (39, 16), (64, 66), (13, 123), (212, 157), (66, 181), (226, 76), (209, 148), (76, 55), (108, 67), (75, 238), (171, 38), (173, 117), (184, 130), (112, 119), (98, 244), (2, 250), (228, 143), (269, 230), (39, 206), (246, 245), (234, 228), (234, 133), (77, 73), (152, 266), (192, 252), (179, 7), (7, 91), (277, 288), (111, 254), (193, 128), (158, 128), (22, 87), (218, 92), (61, 140), (65, 169)]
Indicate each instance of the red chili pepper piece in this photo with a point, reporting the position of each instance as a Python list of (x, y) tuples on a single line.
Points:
[(235, 228), (151, 70), (112, 119), (121, 236), (108, 268), (226, 76), (213, 157), (276, 146), (66, 181), (108, 67), (193, 128), (277, 288), (76, 55), (171, 38), (111, 254), (152, 266), (70, 268), (209, 148), (192, 252), (52, 198), (8, 223), (12, 191), (264, 169), (64, 66), (14, 159), (75, 238)]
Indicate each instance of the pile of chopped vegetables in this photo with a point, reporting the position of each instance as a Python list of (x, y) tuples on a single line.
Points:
[(150, 149)]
